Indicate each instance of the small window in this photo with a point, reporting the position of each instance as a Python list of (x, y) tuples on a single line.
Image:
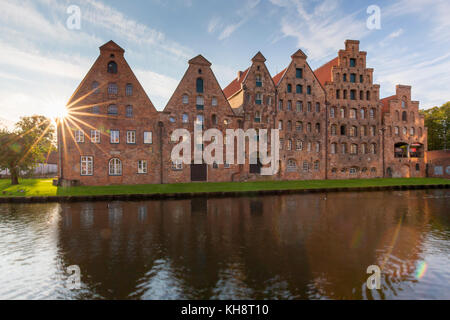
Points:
[(129, 113), (354, 149), (291, 166), (79, 136), (95, 87), (344, 77), (299, 88), (129, 90), (308, 90), (96, 110), (113, 110), (115, 136), (363, 114), (112, 67), (317, 147), (305, 166), (185, 99), (289, 145), (333, 148), (316, 165), (332, 112), (214, 119), (361, 79), (142, 166), (299, 145), (299, 73), (87, 166), (289, 88), (309, 147), (352, 113), (353, 171), (299, 126), (258, 81), (352, 62), (299, 106), (148, 137), (372, 113), (95, 136), (396, 131), (344, 148), (258, 98), (280, 105), (257, 117), (177, 165), (289, 105), (199, 85), (404, 116), (280, 125), (342, 113), (309, 108), (309, 127), (214, 102), (185, 118), (353, 78), (200, 103), (318, 107), (352, 94), (131, 137), (317, 127), (115, 167)]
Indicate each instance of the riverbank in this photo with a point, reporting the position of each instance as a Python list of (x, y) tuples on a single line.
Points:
[(42, 190)]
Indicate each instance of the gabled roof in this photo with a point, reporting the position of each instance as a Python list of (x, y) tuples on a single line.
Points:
[(112, 46), (235, 85), (279, 76), (200, 60), (259, 57), (299, 54), (323, 73)]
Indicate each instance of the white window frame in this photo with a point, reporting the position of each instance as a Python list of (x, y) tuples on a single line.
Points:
[(131, 137), (95, 136), (79, 136), (115, 167), (142, 167), (148, 137), (87, 166), (177, 165), (115, 136)]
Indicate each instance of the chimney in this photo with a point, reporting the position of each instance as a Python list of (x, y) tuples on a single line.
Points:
[(239, 75)]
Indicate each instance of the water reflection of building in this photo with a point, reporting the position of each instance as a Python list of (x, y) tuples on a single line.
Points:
[(298, 246)]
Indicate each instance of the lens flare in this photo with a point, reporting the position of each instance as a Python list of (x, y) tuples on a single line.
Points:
[(421, 270)]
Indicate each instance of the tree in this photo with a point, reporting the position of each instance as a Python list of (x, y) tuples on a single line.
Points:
[(437, 120), (25, 146)]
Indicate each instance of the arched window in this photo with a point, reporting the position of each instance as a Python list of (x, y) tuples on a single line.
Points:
[(352, 113), (291, 165), (333, 130), (363, 148), (280, 125), (404, 116), (354, 149), (405, 131), (115, 167), (317, 147), (112, 67), (299, 106), (316, 165), (343, 130), (199, 85), (333, 148), (317, 127), (309, 127), (373, 148), (363, 113), (353, 131), (403, 103), (299, 126), (95, 87), (396, 131), (342, 113), (412, 131), (185, 118)]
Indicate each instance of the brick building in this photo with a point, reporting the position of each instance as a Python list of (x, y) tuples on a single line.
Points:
[(332, 123)]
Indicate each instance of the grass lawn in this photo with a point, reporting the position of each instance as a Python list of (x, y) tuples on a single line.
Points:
[(44, 187)]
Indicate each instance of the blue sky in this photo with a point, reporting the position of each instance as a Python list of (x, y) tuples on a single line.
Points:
[(42, 61)]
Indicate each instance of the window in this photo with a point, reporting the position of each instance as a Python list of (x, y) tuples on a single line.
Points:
[(412, 131), (361, 95), (343, 130), (280, 125), (299, 126), (291, 166), (342, 113), (95, 87), (281, 144), (131, 137), (353, 170), (373, 148), (96, 110), (79, 136), (289, 88), (333, 148), (338, 94), (353, 78), (352, 113), (289, 145), (142, 166), (373, 130), (344, 77), (417, 167), (352, 94), (258, 98), (87, 166), (129, 113), (299, 88), (396, 131), (332, 112), (368, 95), (112, 88), (200, 103), (363, 114), (214, 119), (404, 116), (372, 113), (361, 78), (112, 67), (308, 90), (95, 136), (185, 118), (115, 136), (420, 132), (115, 167), (199, 121), (309, 127), (345, 94), (258, 81), (333, 130), (309, 147), (199, 85), (354, 149), (226, 165), (344, 148), (113, 110), (214, 102), (289, 105), (257, 117), (299, 145), (299, 106), (352, 62), (403, 104), (317, 127), (289, 125), (363, 148), (129, 89), (316, 165), (148, 137), (405, 131), (353, 131), (318, 107), (317, 147), (177, 165), (280, 105), (309, 107), (185, 99), (305, 166), (299, 73)]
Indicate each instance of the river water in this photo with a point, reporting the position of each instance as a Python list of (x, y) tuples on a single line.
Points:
[(316, 246)]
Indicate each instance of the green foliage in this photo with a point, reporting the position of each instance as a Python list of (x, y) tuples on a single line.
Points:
[(437, 120), (26, 146)]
